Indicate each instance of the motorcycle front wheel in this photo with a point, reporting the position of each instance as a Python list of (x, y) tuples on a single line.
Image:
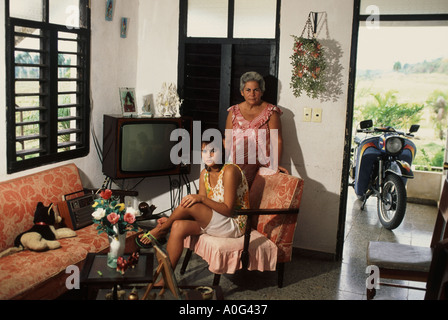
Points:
[(392, 202)]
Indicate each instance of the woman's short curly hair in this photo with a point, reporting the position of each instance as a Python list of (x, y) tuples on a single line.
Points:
[(252, 76)]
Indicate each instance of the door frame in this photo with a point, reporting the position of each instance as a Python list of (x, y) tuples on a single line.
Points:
[(357, 19)]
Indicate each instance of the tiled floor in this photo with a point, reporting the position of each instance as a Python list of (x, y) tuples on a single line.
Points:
[(314, 276)]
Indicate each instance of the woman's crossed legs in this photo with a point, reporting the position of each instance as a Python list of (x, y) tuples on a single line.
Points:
[(183, 222)]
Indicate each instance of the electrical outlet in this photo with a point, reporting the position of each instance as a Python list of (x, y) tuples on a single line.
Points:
[(317, 115), (307, 114)]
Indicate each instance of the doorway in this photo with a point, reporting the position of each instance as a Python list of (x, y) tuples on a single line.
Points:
[(398, 56)]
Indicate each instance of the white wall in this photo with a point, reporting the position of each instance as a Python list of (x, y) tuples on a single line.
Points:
[(149, 57), (158, 44), (315, 150)]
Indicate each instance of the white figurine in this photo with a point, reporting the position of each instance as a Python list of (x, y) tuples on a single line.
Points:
[(168, 102)]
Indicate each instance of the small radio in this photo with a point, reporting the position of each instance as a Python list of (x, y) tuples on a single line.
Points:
[(76, 211)]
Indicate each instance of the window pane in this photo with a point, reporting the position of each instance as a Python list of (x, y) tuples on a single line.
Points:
[(67, 35), (64, 99), (31, 145), (67, 73), (27, 116), (67, 86), (68, 46), (65, 12), (27, 73), (27, 43), (255, 18), (27, 102), (27, 57), (26, 9), (27, 130), (404, 6), (67, 59), (27, 87), (207, 18)]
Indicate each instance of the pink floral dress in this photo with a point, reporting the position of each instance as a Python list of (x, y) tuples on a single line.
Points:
[(248, 132)]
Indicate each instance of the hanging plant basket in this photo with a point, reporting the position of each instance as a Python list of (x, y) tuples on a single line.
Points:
[(308, 66), (308, 63)]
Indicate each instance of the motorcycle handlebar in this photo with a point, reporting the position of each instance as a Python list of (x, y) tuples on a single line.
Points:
[(384, 130)]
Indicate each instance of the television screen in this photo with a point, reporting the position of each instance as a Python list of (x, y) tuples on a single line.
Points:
[(146, 147), (141, 147)]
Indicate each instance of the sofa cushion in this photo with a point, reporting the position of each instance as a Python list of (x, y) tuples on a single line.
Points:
[(19, 197), (223, 254), (24, 270)]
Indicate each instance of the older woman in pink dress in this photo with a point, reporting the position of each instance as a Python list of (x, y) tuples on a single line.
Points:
[(256, 140)]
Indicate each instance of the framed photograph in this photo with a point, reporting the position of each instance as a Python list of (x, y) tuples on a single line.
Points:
[(110, 4), (124, 27), (127, 99)]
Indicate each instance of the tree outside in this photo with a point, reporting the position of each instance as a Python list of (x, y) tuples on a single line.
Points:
[(410, 87)]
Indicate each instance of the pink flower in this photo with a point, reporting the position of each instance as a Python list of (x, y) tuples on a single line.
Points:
[(113, 218), (129, 217), (106, 194)]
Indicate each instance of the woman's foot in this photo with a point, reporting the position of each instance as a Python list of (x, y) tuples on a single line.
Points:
[(159, 232), (156, 234)]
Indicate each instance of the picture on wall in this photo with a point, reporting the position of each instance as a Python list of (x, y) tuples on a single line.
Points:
[(124, 27), (110, 9), (127, 99)]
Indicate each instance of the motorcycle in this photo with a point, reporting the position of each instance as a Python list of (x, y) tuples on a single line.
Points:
[(380, 166)]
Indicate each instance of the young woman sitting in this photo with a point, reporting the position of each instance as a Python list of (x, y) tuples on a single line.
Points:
[(222, 189)]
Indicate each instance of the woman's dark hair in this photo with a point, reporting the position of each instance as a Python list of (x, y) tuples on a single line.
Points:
[(220, 146), (131, 98)]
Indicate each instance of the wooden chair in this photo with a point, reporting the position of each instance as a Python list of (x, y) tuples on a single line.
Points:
[(267, 243), (407, 262), (437, 285)]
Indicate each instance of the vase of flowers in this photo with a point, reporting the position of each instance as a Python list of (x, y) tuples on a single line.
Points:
[(113, 218), (117, 244)]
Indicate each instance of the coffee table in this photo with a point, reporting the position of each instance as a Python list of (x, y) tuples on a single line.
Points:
[(96, 273)]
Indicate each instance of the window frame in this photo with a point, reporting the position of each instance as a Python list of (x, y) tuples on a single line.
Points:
[(227, 44), (48, 82)]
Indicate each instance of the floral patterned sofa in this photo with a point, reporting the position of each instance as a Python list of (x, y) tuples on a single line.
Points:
[(41, 275)]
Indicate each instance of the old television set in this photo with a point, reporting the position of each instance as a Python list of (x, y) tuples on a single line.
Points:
[(141, 147)]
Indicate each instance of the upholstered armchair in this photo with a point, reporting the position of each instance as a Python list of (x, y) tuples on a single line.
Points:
[(412, 263), (267, 243)]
